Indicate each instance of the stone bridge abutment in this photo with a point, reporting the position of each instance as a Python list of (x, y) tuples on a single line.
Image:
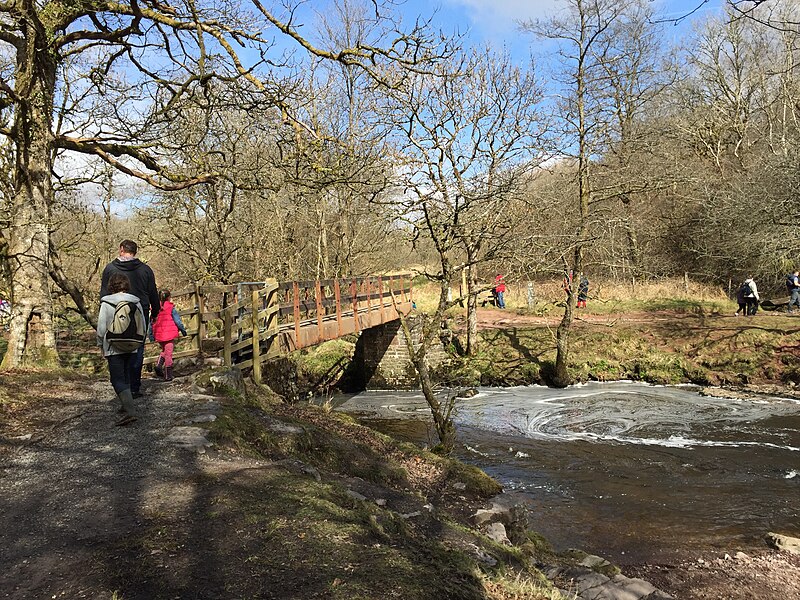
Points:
[(381, 359)]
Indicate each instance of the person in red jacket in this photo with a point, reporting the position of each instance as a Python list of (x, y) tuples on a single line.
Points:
[(166, 328), (499, 291)]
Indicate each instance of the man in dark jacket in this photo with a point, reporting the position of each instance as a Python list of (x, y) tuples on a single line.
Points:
[(143, 286)]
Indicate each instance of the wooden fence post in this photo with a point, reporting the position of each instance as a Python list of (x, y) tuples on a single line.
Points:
[(380, 298), (240, 316), (337, 291), (354, 294), (200, 306), (227, 326), (273, 306), (256, 339), (296, 292), (320, 312), (369, 302)]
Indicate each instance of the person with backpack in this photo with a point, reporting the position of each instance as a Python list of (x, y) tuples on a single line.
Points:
[(120, 333), (741, 299), (143, 286), (166, 328), (793, 287), (583, 291), (747, 297)]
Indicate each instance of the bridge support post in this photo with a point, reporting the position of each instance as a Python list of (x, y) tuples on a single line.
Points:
[(381, 358), (197, 320), (256, 337)]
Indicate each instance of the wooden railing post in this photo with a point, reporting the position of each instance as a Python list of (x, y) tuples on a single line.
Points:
[(273, 306), (200, 306), (296, 292), (256, 339), (240, 316), (380, 298), (354, 298), (369, 302), (320, 312), (227, 326), (337, 292)]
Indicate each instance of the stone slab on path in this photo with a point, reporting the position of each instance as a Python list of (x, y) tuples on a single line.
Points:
[(191, 438), (590, 585)]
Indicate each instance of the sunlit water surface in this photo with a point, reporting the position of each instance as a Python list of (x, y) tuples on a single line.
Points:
[(630, 471)]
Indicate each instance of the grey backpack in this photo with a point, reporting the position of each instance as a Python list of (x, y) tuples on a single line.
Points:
[(126, 331)]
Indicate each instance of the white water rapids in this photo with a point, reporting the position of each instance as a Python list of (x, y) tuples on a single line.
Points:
[(633, 471)]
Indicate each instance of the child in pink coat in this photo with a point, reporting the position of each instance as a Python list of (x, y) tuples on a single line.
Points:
[(166, 329)]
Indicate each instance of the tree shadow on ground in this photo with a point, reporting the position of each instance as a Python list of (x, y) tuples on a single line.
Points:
[(91, 511)]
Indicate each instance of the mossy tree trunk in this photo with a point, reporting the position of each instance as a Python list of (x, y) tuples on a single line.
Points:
[(441, 410), (32, 336)]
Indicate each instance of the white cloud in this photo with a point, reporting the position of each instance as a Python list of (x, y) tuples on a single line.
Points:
[(502, 15), (497, 19)]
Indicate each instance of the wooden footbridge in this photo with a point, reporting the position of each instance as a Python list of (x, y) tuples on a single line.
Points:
[(250, 322)]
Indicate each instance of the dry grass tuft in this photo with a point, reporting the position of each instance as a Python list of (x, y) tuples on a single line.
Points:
[(520, 588)]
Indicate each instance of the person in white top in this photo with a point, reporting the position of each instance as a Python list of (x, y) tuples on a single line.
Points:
[(751, 296)]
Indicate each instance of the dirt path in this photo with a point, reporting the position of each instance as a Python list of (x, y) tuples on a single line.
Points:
[(74, 486), (495, 318)]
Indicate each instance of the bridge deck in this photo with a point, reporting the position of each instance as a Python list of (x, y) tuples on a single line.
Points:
[(285, 316)]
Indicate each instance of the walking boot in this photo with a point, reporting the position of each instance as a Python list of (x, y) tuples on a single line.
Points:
[(168, 373), (128, 408), (159, 367)]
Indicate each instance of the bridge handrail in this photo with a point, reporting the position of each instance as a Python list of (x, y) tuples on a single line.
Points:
[(260, 316)]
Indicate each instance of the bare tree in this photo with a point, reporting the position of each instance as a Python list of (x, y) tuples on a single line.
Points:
[(470, 133), (582, 35), (107, 81)]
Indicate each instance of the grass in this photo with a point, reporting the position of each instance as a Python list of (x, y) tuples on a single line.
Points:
[(317, 536), (517, 587), (604, 296), (704, 346)]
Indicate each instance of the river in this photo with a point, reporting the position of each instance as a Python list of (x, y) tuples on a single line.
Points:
[(632, 472)]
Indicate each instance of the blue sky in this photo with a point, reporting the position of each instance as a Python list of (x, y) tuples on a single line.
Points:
[(495, 20)]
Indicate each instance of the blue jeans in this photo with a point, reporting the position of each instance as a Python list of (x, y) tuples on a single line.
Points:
[(119, 370), (794, 300), (500, 302), (136, 364)]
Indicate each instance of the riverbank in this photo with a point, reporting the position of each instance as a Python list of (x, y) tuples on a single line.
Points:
[(283, 485), (688, 343), (226, 493), (675, 342)]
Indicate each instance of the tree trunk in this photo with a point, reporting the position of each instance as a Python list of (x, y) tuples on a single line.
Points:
[(634, 254), (472, 311), (32, 337), (71, 288), (561, 376), (441, 412)]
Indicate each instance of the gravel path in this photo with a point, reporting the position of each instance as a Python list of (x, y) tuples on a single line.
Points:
[(72, 489)]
